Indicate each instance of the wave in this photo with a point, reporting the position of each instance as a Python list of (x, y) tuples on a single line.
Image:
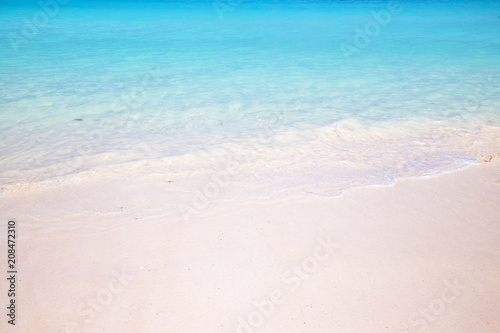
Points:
[(322, 160)]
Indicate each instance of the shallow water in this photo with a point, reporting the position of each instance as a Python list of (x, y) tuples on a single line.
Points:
[(289, 90)]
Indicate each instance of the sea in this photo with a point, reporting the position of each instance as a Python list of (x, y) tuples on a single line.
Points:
[(304, 97)]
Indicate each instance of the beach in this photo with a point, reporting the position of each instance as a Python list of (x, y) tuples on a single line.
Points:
[(249, 166), (419, 255)]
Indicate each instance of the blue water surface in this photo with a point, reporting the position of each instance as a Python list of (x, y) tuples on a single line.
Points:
[(109, 82)]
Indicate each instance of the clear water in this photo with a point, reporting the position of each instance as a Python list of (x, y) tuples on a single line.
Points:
[(286, 89)]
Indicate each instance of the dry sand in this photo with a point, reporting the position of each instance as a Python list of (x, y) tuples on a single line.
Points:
[(109, 255)]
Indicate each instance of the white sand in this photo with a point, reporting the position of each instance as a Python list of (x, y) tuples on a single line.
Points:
[(421, 255)]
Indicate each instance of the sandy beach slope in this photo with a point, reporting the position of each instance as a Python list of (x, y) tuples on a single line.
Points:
[(115, 255)]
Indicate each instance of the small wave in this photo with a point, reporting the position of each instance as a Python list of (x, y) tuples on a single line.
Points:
[(322, 160)]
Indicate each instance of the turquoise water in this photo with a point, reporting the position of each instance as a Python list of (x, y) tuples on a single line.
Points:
[(284, 88)]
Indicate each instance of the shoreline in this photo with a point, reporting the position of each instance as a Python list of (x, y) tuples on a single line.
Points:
[(374, 153), (422, 253)]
